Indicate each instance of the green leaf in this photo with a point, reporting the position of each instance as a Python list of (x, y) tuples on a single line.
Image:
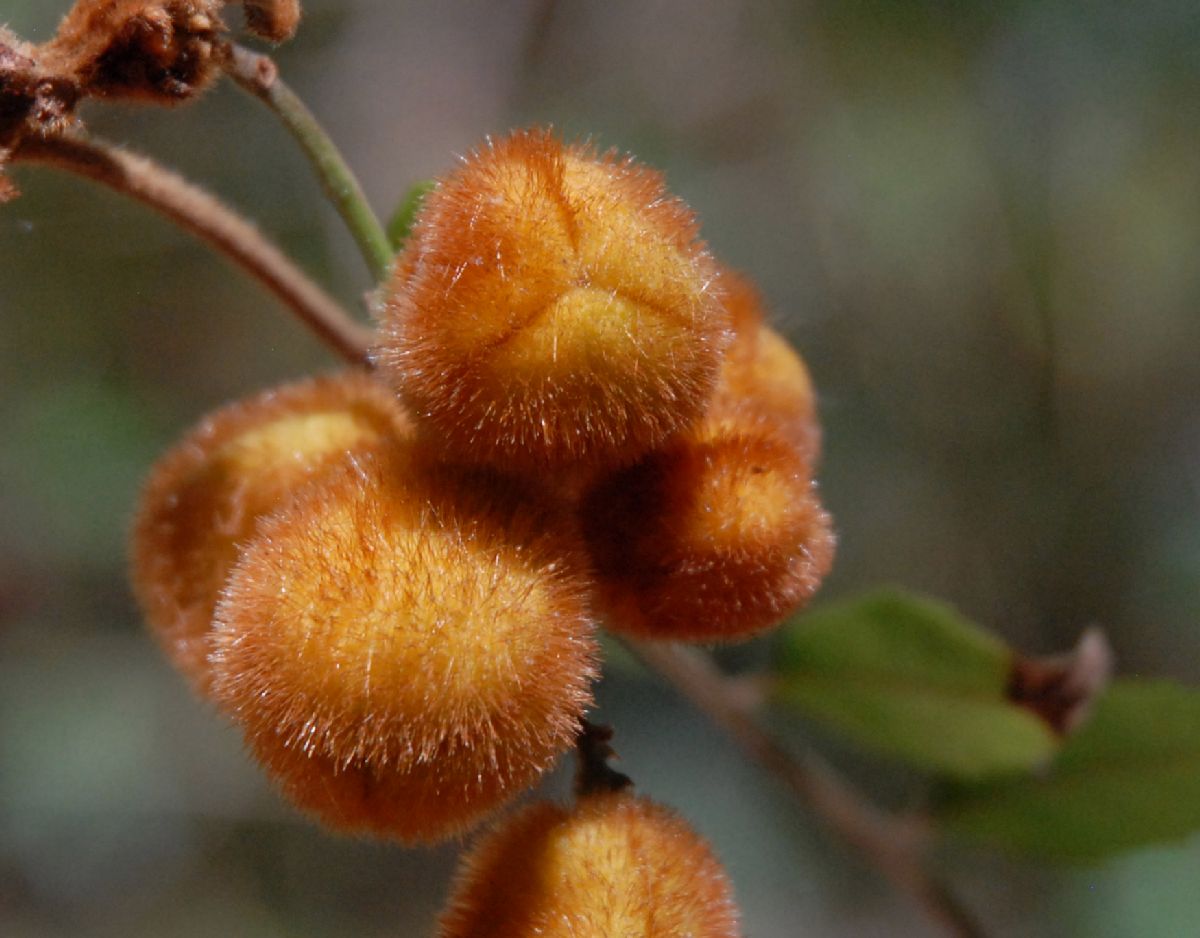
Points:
[(400, 225), (910, 678), (1129, 777)]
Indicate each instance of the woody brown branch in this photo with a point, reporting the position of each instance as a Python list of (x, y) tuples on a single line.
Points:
[(195, 210), (895, 846)]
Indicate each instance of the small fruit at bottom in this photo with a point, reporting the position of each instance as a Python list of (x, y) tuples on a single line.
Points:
[(613, 865)]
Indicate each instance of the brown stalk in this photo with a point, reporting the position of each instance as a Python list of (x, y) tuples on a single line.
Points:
[(195, 210), (895, 846)]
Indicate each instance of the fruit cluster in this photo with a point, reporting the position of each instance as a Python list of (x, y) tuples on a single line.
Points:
[(389, 578)]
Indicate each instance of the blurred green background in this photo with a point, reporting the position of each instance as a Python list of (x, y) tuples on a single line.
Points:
[(980, 222)]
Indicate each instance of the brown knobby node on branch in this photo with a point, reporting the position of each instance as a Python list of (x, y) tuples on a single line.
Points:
[(553, 307), (159, 51), (406, 645), (33, 99), (31, 94), (274, 20), (593, 749), (1062, 689), (205, 496), (611, 865), (155, 51)]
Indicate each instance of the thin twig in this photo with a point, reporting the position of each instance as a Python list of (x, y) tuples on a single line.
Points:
[(896, 846), (258, 75), (593, 749), (196, 210)]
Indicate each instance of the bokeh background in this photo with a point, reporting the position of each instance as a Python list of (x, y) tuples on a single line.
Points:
[(980, 221)]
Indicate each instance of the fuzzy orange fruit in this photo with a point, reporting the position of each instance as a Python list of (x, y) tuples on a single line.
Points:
[(613, 865), (406, 645), (553, 307), (205, 496), (713, 538), (764, 385)]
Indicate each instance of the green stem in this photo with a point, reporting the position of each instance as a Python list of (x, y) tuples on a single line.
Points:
[(258, 75)]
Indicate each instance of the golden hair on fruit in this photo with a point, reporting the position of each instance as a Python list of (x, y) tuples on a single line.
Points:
[(553, 306), (764, 384), (712, 538), (613, 865), (406, 645), (204, 496)]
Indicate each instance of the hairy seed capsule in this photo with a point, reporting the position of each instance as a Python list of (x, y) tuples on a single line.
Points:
[(406, 646), (204, 498), (764, 385), (709, 539), (720, 533), (553, 307), (614, 865)]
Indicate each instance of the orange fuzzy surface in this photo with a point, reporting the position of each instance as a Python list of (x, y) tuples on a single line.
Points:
[(763, 384), (275, 20), (614, 865), (553, 306), (710, 539), (203, 499), (406, 645)]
